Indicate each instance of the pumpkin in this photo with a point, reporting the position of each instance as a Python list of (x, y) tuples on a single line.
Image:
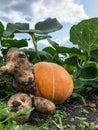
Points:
[(53, 82)]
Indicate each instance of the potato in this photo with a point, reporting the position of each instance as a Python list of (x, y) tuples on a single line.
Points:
[(21, 69), (44, 105), (17, 102)]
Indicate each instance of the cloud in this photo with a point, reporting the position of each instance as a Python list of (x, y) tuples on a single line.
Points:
[(66, 11), (33, 11)]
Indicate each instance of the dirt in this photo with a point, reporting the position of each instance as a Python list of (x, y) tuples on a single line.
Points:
[(75, 110)]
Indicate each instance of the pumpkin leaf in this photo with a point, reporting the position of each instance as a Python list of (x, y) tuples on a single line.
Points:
[(70, 68), (71, 61), (89, 71), (15, 28), (1, 30), (94, 54), (94, 83), (45, 56), (32, 55), (78, 83), (44, 27), (14, 43), (48, 26), (53, 43), (56, 57), (49, 50), (85, 35)]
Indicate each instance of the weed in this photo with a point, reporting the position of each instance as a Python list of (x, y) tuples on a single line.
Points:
[(83, 111)]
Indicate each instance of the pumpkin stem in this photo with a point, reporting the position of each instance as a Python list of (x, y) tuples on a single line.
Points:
[(35, 45)]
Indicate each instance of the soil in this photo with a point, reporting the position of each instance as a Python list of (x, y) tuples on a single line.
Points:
[(74, 108)]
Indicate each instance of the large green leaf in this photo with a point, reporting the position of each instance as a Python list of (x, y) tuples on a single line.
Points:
[(56, 58), (1, 30), (50, 50), (48, 26), (71, 61), (44, 27), (15, 27), (94, 54), (78, 83), (45, 56), (89, 71), (85, 34), (94, 84)]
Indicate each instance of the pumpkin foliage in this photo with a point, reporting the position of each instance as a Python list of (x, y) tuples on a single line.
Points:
[(53, 82)]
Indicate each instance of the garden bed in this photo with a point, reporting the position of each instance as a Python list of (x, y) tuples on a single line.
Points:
[(71, 115)]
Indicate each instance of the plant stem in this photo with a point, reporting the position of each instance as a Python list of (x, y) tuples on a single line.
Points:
[(35, 45)]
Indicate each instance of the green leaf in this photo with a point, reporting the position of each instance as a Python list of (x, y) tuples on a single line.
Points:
[(4, 110), (78, 83), (71, 61), (71, 51), (53, 43), (17, 27), (85, 34), (70, 68), (93, 83), (14, 43), (50, 50), (1, 126), (19, 114), (89, 71), (24, 127), (45, 56), (3, 113), (13, 126), (32, 55), (1, 30), (48, 26), (94, 54)]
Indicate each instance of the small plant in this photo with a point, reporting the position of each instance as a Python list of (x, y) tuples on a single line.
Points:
[(83, 124), (61, 114), (59, 124), (83, 111)]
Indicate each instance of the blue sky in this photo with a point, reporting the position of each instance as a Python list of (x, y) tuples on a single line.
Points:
[(90, 7), (68, 12)]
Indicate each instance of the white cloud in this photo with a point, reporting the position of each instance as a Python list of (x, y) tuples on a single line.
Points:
[(64, 10)]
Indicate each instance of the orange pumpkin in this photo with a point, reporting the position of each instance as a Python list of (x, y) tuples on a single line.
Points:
[(53, 82)]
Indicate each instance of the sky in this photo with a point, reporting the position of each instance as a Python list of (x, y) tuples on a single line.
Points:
[(68, 13)]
